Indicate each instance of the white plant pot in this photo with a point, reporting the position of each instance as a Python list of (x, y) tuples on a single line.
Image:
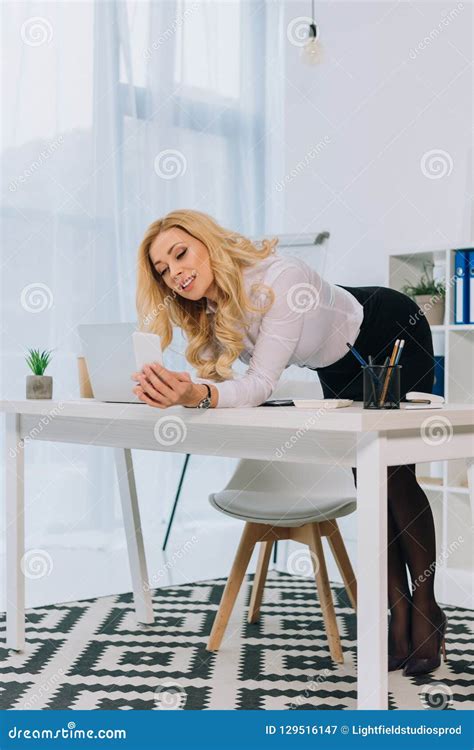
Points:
[(432, 307)]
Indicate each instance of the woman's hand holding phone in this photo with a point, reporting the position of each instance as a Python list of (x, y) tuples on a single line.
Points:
[(160, 387)]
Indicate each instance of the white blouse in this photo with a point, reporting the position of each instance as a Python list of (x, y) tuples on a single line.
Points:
[(308, 324)]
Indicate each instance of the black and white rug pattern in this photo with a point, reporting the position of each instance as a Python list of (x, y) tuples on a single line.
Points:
[(92, 654)]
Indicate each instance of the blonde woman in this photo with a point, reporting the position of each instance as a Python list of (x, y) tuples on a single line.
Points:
[(234, 300)]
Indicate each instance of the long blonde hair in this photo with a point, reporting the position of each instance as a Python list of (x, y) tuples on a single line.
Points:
[(160, 308)]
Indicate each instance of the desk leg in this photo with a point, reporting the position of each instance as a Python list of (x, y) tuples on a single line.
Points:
[(470, 483), (14, 532), (134, 536), (372, 638)]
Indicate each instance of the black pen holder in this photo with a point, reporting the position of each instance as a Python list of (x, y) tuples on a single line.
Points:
[(381, 386)]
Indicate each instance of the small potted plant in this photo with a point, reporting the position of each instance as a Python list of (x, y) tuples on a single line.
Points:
[(429, 294), (38, 385)]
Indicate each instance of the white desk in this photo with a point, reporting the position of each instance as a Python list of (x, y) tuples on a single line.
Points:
[(370, 440)]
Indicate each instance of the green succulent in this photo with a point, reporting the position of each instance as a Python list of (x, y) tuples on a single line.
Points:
[(426, 285), (38, 362)]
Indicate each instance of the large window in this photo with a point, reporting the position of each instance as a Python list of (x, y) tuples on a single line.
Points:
[(93, 96), (197, 72)]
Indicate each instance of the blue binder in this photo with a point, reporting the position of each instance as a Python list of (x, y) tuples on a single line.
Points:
[(438, 386), (471, 286), (461, 287)]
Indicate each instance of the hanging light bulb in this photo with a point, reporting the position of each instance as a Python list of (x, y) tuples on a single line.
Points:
[(312, 51)]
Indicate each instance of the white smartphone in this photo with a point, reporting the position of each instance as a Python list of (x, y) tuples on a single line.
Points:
[(147, 348)]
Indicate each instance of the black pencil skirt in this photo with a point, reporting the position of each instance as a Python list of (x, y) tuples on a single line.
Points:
[(388, 315)]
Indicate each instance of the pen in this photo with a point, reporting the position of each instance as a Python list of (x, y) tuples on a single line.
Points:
[(362, 361), (399, 353), (372, 375), (389, 371), (397, 360), (357, 355)]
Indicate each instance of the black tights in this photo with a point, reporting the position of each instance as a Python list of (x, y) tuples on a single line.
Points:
[(414, 615)]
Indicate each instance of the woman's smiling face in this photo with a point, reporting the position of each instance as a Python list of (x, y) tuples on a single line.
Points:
[(183, 263)]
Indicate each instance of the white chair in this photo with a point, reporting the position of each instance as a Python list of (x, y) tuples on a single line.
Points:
[(284, 389), (282, 500)]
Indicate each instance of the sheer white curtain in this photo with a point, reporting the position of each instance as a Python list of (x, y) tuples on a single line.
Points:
[(115, 113)]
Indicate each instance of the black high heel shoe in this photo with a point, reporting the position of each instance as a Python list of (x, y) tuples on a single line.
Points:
[(397, 662), (419, 665)]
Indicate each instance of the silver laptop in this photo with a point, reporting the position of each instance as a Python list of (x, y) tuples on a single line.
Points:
[(110, 357)]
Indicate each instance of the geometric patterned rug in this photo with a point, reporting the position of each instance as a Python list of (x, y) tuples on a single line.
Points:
[(92, 654)]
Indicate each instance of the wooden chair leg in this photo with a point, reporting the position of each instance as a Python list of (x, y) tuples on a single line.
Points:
[(341, 557), (247, 543), (259, 580), (324, 591)]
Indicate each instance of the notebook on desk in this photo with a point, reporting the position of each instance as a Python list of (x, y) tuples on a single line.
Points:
[(421, 400)]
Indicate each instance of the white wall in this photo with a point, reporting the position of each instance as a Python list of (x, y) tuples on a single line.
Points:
[(396, 82)]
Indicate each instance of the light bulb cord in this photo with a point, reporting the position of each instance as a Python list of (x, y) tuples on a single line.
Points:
[(313, 29)]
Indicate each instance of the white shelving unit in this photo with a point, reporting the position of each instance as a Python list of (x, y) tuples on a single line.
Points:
[(446, 482)]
